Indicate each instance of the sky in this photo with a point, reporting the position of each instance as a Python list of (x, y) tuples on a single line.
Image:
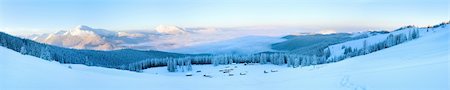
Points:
[(38, 16)]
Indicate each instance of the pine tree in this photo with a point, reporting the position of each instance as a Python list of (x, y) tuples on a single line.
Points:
[(189, 65), (390, 41), (23, 50), (415, 34), (88, 62), (45, 54), (365, 47), (171, 65)]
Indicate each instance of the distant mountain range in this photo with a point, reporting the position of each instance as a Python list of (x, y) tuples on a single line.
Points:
[(85, 37), (164, 38), (174, 39), (196, 40), (111, 59)]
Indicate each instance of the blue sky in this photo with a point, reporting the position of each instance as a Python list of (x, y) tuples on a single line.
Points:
[(51, 15)]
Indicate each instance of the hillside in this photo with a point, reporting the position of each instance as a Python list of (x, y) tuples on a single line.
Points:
[(110, 59), (415, 65), (382, 41)]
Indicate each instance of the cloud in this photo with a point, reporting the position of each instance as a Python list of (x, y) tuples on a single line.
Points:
[(327, 31), (21, 31)]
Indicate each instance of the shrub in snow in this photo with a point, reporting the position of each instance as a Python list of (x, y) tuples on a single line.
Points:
[(230, 74), (227, 70), (70, 67), (188, 74), (243, 73), (207, 76), (273, 70)]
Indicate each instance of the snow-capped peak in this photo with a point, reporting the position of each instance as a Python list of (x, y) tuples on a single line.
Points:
[(62, 32), (166, 29), (81, 30), (83, 27)]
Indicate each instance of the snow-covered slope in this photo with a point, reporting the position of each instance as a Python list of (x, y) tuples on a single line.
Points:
[(420, 64), (82, 30), (81, 37), (338, 50), (28, 72)]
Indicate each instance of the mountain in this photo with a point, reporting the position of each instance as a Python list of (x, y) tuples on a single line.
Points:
[(161, 38), (382, 41), (296, 42), (82, 37), (196, 40), (313, 44), (110, 59), (85, 37), (83, 30), (415, 65)]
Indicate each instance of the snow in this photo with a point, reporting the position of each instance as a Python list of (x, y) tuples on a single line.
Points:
[(420, 64), (337, 50), (82, 30)]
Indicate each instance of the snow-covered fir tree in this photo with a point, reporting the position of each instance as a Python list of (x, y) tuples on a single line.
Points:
[(45, 54), (23, 50)]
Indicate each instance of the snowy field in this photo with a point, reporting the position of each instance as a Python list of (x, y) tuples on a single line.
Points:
[(421, 64)]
